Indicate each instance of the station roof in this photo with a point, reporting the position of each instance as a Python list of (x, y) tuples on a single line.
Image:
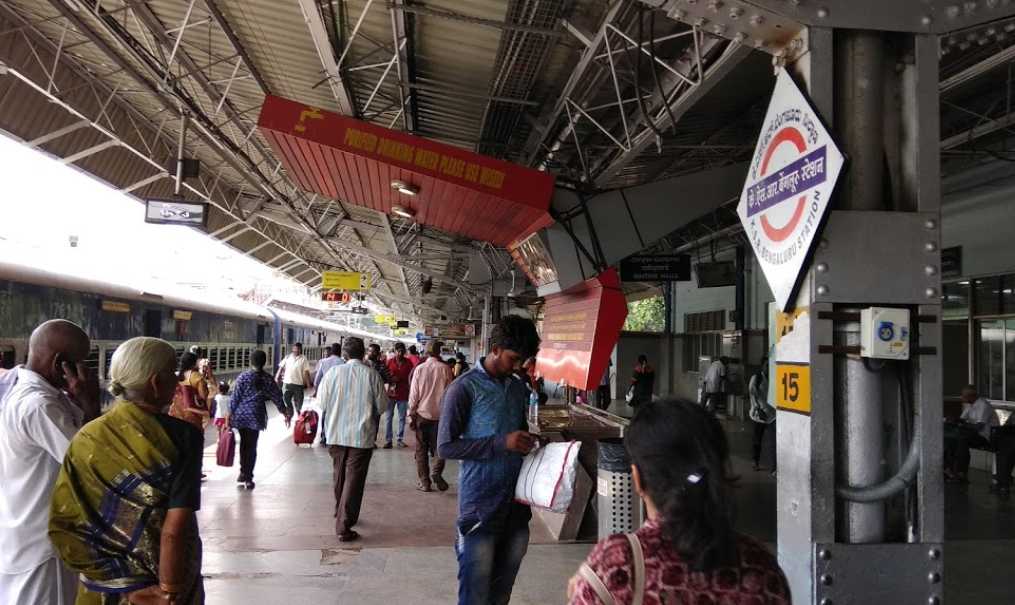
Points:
[(563, 86)]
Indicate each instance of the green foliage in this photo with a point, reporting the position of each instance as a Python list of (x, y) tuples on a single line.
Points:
[(646, 315)]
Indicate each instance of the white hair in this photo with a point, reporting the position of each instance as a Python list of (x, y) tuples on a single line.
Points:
[(136, 361)]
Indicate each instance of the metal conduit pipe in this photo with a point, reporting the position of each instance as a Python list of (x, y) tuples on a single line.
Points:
[(902, 479)]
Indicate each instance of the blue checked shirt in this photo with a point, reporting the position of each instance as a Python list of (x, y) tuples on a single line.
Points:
[(352, 397)]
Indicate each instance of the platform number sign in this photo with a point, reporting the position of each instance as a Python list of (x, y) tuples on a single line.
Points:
[(791, 177), (793, 387)]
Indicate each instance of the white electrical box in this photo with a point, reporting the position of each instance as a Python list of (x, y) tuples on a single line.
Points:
[(884, 333)]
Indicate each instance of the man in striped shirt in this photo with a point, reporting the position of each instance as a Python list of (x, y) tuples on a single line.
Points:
[(351, 396)]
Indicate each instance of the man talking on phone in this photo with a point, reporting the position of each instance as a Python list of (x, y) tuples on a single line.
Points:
[(483, 424), (54, 395)]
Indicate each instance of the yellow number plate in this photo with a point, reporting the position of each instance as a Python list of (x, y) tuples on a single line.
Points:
[(793, 387)]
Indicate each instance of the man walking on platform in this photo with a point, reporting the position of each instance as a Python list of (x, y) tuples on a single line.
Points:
[(55, 395), (483, 423), (429, 381), (399, 368), (352, 397), (294, 374)]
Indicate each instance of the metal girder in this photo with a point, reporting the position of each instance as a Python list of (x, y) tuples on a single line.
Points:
[(549, 118), (101, 44), (978, 69), (319, 34), (227, 29), (980, 130), (462, 18), (405, 95), (682, 100), (769, 25)]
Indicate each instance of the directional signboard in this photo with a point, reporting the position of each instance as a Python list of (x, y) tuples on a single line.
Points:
[(345, 280), (656, 268), (796, 164)]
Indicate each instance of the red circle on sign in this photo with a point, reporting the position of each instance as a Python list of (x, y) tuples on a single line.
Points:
[(786, 135)]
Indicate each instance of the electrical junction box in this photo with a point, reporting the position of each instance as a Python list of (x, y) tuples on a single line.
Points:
[(884, 333)]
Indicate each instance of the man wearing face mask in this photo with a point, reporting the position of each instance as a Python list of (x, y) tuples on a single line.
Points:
[(54, 396)]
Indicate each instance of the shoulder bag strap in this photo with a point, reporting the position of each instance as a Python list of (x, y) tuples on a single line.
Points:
[(597, 585), (638, 569)]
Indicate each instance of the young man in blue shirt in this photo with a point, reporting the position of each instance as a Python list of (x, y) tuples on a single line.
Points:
[(483, 424)]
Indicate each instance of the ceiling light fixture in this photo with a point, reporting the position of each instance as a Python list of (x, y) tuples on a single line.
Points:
[(402, 211), (404, 188)]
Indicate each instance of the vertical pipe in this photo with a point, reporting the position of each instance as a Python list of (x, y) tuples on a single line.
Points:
[(860, 96), (860, 444), (859, 406), (179, 154)]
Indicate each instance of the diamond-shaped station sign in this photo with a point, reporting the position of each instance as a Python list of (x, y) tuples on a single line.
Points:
[(794, 170)]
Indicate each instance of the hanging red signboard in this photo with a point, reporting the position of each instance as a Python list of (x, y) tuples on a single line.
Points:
[(580, 328), (439, 185)]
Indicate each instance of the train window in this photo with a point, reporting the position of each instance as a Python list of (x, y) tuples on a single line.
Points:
[(290, 336), (246, 357), (232, 357), (8, 357), (92, 361), (261, 333), (179, 354), (213, 358), (108, 361)]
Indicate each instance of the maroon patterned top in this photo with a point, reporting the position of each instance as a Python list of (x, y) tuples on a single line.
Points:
[(669, 581)]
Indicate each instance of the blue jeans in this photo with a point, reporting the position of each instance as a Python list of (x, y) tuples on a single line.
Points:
[(489, 555), (403, 407)]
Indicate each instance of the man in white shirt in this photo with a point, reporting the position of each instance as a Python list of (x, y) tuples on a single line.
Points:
[(55, 394), (294, 374), (426, 390), (715, 377), (334, 359), (972, 430)]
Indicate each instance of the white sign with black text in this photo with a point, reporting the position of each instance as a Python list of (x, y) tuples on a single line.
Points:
[(795, 166)]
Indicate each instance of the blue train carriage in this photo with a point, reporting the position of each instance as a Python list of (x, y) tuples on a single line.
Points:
[(228, 331), (290, 327)]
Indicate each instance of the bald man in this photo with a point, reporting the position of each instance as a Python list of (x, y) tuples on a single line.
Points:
[(53, 396)]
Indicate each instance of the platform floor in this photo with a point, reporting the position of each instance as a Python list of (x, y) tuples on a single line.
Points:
[(276, 544)]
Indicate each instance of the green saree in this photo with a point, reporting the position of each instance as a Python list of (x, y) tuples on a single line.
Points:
[(109, 504)]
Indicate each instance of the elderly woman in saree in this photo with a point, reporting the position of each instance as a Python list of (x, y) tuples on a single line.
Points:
[(123, 509)]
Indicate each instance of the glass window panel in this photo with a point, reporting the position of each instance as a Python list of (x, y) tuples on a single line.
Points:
[(988, 296), (955, 300), (992, 358), (1008, 294), (1009, 370)]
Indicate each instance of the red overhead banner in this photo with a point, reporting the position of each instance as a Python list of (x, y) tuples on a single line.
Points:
[(580, 328), (459, 191)]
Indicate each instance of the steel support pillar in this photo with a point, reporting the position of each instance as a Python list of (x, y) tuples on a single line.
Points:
[(857, 525)]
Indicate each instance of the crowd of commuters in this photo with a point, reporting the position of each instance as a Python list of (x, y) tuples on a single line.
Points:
[(64, 466)]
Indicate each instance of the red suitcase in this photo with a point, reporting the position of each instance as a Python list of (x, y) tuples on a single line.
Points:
[(305, 430)]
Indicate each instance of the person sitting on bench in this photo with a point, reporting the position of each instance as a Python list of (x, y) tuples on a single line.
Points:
[(971, 431)]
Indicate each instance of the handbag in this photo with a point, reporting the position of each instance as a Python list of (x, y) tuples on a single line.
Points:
[(547, 477), (638, 570), (225, 453)]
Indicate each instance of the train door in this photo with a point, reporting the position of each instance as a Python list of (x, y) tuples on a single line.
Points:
[(153, 323), (261, 333)]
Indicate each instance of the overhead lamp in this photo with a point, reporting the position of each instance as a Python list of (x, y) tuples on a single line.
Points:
[(404, 188), (403, 211)]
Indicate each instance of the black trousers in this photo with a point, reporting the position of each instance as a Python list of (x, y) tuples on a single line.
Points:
[(248, 453), (1005, 459), (959, 439), (757, 441)]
